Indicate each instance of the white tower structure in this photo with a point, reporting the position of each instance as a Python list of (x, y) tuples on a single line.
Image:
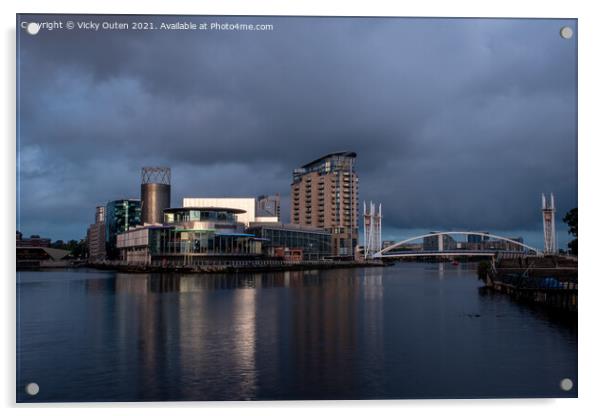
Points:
[(372, 230), (548, 210)]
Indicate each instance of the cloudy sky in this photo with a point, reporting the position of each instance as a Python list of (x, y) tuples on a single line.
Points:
[(457, 123)]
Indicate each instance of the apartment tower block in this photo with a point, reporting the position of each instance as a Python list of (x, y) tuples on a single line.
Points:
[(324, 194)]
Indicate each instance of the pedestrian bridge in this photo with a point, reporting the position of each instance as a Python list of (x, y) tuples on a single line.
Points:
[(514, 248)]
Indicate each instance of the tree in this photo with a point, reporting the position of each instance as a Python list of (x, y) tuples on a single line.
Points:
[(60, 244), (78, 249), (571, 220)]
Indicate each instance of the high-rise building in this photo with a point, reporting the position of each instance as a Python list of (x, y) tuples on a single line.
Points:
[(155, 193), (324, 195), (268, 206), (97, 236), (120, 216), (100, 214)]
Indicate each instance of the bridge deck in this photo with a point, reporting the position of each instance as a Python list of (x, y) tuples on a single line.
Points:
[(451, 253)]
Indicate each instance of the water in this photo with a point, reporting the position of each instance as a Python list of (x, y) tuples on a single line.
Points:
[(408, 331)]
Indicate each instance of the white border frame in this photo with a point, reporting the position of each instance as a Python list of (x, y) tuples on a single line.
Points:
[(590, 69)]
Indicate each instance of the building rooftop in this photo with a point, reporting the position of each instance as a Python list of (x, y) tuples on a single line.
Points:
[(210, 209), (329, 155), (290, 227)]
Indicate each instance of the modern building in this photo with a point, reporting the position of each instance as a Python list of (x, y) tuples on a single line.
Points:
[(477, 239), (120, 216), (502, 245), (32, 241), (96, 236), (278, 240), (324, 194), (245, 205), (189, 236), (100, 214), (436, 242), (155, 193), (268, 206)]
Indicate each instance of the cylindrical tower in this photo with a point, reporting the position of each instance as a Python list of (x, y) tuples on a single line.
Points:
[(155, 193)]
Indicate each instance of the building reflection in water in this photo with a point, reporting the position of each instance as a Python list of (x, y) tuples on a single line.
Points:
[(373, 355), (185, 334), (329, 317)]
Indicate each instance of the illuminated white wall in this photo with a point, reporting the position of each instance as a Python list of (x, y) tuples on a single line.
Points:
[(248, 204)]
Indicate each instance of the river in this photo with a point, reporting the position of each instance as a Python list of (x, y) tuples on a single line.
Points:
[(413, 330)]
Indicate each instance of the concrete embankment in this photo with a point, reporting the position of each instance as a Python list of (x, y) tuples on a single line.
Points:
[(233, 266), (549, 280)]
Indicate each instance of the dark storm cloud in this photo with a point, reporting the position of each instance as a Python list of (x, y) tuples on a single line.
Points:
[(457, 123)]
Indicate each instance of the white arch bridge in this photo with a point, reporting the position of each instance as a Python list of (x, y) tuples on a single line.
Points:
[(515, 248)]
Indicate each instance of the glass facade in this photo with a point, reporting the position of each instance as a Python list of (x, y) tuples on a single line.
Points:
[(177, 216), (170, 241), (315, 244), (120, 216), (188, 236)]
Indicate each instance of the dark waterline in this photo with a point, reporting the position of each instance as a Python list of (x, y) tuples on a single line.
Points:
[(408, 331)]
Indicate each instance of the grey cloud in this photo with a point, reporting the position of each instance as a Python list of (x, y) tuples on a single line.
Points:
[(456, 122)]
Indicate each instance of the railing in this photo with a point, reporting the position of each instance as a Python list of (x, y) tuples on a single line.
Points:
[(457, 252)]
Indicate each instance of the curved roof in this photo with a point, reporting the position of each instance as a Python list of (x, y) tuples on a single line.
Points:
[(347, 154), (210, 209)]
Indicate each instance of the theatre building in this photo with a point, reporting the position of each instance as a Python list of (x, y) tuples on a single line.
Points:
[(189, 236)]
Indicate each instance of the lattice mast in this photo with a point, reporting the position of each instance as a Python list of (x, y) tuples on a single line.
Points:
[(156, 174)]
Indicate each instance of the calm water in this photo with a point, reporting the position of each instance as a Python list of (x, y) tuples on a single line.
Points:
[(408, 331)]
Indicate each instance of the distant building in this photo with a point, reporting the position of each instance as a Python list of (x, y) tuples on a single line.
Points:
[(36, 256), (246, 205), (189, 235), (477, 239), (503, 245), (431, 243), (96, 236), (388, 243), (100, 214), (32, 241), (278, 240), (268, 206), (324, 195), (120, 216)]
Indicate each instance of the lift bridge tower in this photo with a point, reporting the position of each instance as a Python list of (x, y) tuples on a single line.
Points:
[(372, 230), (548, 210)]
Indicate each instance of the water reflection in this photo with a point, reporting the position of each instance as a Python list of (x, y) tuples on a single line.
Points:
[(411, 330)]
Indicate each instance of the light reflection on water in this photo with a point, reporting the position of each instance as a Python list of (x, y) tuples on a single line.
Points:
[(408, 331)]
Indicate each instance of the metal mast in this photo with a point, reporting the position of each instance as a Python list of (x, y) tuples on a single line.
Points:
[(548, 211), (372, 230)]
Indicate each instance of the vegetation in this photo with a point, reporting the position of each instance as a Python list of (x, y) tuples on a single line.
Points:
[(571, 220), (78, 249)]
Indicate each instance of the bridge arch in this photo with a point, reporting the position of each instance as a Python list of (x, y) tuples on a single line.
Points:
[(497, 237)]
